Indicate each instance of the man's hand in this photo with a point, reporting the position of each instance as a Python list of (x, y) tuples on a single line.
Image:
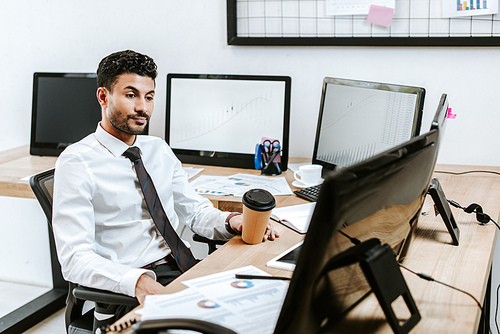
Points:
[(146, 286), (236, 224), (271, 233)]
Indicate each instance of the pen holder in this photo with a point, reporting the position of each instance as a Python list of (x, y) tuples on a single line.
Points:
[(271, 168), (268, 157)]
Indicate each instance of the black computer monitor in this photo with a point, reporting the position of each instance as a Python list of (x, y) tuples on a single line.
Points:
[(358, 119), (65, 109), (441, 115), (218, 119), (379, 198)]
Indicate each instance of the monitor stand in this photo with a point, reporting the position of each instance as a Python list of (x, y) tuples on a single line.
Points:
[(384, 275), (443, 208), (382, 272)]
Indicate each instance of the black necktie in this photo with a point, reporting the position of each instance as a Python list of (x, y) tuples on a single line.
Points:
[(180, 252)]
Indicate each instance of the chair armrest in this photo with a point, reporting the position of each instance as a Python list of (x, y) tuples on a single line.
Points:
[(199, 238), (102, 296), (201, 326)]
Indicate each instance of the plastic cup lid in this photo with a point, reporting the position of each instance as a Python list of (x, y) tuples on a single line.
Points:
[(259, 200)]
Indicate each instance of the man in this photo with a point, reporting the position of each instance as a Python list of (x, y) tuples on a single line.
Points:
[(104, 233)]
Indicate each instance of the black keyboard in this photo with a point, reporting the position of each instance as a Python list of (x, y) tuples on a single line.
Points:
[(309, 193)]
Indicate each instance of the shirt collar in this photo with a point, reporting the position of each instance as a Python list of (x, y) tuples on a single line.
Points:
[(111, 143)]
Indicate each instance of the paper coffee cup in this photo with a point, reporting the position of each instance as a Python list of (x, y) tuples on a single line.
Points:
[(257, 207)]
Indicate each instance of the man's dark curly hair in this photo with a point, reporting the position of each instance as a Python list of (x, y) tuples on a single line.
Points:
[(127, 61)]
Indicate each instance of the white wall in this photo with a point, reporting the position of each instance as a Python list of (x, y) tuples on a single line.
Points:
[(24, 243), (190, 36)]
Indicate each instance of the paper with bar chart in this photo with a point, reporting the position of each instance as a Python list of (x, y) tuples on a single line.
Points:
[(461, 8)]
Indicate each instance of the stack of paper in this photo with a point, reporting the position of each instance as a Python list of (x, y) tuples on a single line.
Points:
[(240, 183), (245, 306)]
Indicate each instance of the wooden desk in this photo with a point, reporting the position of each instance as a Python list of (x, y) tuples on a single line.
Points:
[(232, 203), (443, 310), (17, 164), (466, 266)]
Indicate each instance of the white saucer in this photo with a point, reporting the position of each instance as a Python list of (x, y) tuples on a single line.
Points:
[(299, 184)]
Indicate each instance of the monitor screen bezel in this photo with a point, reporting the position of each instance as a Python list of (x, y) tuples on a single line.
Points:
[(229, 159), (441, 113), (417, 116)]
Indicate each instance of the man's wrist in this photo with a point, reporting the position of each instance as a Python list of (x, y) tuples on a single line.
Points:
[(228, 226)]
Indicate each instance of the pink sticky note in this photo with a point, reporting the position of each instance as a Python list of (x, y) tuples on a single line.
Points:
[(380, 15), (451, 114)]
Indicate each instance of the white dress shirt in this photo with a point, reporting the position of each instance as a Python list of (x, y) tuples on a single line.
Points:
[(103, 230)]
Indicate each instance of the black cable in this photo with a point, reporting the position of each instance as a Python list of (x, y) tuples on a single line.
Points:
[(467, 172), (481, 217), (353, 240), (496, 311), (431, 279)]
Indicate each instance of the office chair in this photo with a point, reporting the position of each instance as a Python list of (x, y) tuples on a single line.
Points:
[(106, 302), (158, 326)]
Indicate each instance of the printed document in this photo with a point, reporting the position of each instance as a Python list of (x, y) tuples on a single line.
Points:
[(240, 183), (243, 305)]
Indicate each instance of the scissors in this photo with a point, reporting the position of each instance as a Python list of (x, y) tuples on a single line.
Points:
[(271, 148)]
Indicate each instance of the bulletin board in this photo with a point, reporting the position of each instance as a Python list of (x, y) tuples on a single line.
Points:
[(305, 22)]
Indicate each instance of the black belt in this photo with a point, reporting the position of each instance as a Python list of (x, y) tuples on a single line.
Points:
[(167, 259)]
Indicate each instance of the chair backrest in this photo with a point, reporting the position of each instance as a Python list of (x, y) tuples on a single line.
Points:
[(42, 185)]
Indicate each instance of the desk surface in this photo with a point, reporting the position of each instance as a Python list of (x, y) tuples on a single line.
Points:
[(17, 165), (466, 266), (443, 310)]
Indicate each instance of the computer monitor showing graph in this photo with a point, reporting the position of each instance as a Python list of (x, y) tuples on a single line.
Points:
[(218, 119), (358, 119)]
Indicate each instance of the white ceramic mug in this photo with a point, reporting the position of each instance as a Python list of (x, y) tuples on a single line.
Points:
[(308, 174)]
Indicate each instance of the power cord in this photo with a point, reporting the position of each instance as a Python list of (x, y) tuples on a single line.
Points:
[(496, 311), (467, 172), (481, 217), (431, 279)]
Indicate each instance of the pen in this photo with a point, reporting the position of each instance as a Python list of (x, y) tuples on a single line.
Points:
[(244, 276)]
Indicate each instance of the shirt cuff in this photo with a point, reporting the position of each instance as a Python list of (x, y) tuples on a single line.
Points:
[(228, 226), (129, 281)]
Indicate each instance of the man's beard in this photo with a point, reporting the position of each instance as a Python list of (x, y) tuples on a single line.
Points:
[(125, 126)]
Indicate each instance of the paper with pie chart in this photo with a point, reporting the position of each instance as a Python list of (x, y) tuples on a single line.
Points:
[(189, 303), (246, 306), (257, 301)]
